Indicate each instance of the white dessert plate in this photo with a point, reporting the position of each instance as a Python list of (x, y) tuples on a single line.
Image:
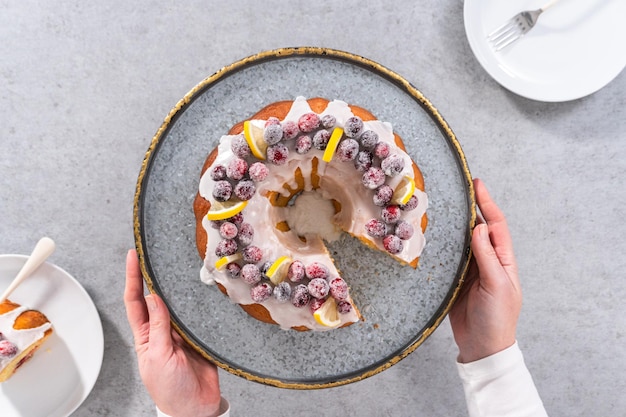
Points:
[(575, 49), (61, 374)]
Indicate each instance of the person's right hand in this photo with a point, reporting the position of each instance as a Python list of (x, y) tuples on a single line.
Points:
[(484, 317)]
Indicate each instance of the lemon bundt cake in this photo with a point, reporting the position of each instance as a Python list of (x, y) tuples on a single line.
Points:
[(279, 184)]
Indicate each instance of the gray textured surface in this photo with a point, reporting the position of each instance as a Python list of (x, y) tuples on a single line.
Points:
[(84, 86)]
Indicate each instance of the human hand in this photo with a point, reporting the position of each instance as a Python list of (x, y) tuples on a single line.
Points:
[(484, 317), (179, 380)]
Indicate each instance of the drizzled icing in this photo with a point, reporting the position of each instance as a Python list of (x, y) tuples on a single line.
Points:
[(339, 181), (21, 338)]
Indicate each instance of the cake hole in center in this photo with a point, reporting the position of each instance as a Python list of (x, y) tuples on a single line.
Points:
[(312, 214)]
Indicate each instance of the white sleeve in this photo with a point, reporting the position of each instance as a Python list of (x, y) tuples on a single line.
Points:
[(500, 385), (224, 410)]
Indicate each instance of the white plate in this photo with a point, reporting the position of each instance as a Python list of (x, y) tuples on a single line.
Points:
[(576, 48), (64, 370)]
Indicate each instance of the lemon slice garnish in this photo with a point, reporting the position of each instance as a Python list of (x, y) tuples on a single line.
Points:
[(278, 271), (333, 142), (225, 210), (327, 314), (404, 191), (225, 260), (254, 137)]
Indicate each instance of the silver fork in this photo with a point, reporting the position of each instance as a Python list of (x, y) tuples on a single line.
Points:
[(516, 27)]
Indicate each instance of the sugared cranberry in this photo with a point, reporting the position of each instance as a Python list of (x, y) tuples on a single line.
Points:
[(303, 144), (381, 150), (252, 254), (353, 127), (410, 205), (369, 139), (376, 228), (250, 274), (393, 244), (272, 121), (240, 147), (236, 219), (264, 268), (373, 178), (258, 171), (290, 130), (344, 307), (347, 150), (320, 139), (391, 213), (236, 169), (218, 172), (382, 195), (246, 233), (300, 296), (278, 154), (328, 121), (273, 134), (244, 190), (363, 161), (318, 287), (392, 165), (261, 292), (216, 224), (308, 122), (222, 190), (316, 270), (233, 269), (7, 349), (282, 292), (404, 230), (226, 247), (228, 230), (339, 289), (295, 273), (315, 304)]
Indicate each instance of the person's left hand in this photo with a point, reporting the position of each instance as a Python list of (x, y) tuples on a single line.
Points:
[(179, 380)]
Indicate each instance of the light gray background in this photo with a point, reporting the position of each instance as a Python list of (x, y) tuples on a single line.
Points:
[(84, 86)]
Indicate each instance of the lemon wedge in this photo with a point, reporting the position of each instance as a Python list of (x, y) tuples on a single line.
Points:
[(333, 142), (404, 191), (225, 260), (278, 271), (254, 137), (327, 314), (225, 210)]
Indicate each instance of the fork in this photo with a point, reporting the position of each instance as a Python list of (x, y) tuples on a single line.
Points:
[(516, 27)]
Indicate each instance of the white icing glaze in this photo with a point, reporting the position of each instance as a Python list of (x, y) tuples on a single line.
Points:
[(339, 181), (21, 338)]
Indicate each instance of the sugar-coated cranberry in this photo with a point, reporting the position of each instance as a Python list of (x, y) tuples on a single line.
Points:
[(240, 146), (303, 144), (393, 244), (344, 307), (236, 168), (353, 127), (308, 122), (246, 233), (272, 121), (258, 171), (404, 230), (236, 219), (328, 121), (320, 139), (218, 172), (347, 150), (391, 213), (278, 154), (244, 190), (315, 304), (373, 178), (316, 270), (261, 292), (296, 273), (363, 161), (411, 204), (225, 247), (250, 274), (216, 224), (392, 165), (273, 134), (282, 292), (290, 130), (252, 254), (369, 139), (264, 268), (300, 296), (233, 269), (7, 349), (318, 287), (376, 228), (381, 150), (222, 190), (338, 289), (382, 195), (228, 230)]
